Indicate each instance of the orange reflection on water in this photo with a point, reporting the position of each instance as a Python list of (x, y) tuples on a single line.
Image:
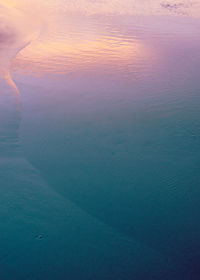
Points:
[(64, 57), (83, 44), (68, 44), (17, 29)]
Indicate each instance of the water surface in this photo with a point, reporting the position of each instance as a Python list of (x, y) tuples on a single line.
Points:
[(103, 181)]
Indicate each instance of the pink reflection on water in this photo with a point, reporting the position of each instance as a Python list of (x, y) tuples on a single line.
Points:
[(85, 36)]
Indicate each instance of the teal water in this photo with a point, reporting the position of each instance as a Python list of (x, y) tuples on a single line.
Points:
[(99, 149)]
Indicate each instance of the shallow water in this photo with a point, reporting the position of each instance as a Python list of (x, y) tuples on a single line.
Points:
[(99, 144)]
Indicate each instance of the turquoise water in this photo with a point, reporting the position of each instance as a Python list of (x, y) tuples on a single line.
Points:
[(99, 147)]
